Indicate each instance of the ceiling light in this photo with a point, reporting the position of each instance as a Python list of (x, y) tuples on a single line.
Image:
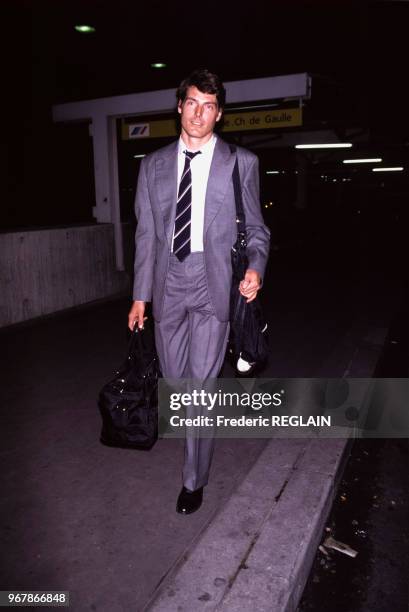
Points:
[(139, 156), (273, 172), (333, 145), (372, 160), (395, 169), (158, 65), (84, 29)]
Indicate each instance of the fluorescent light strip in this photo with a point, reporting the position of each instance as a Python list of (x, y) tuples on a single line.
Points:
[(368, 160), (396, 169), (334, 145), (273, 172), (139, 156), (84, 29)]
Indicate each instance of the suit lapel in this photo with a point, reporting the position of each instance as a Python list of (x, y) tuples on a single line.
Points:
[(166, 171), (220, 175)]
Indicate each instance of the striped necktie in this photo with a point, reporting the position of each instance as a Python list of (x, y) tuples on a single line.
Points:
[(181, 237)]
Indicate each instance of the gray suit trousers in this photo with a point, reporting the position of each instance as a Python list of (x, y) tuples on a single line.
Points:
[(191, 343)]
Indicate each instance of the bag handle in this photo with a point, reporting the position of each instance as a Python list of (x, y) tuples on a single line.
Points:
[(136, 339), (238, 198)]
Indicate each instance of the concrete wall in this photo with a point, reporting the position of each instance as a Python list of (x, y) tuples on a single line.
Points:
[(43, 271)]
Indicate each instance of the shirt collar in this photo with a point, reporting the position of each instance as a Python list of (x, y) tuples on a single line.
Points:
[(206, 148)]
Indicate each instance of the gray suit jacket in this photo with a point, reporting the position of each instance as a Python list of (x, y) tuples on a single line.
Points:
[(155, 208)]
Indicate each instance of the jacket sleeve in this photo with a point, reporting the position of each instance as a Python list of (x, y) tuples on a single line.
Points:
[(258, 234), (145, 247)]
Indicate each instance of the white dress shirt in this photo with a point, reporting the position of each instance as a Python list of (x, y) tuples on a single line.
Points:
[(200, 168)]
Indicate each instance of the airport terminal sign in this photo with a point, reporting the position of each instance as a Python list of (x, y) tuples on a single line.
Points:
[(233, 122), (262, 120)]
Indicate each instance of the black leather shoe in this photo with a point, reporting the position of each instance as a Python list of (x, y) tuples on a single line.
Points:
[(189, 501)]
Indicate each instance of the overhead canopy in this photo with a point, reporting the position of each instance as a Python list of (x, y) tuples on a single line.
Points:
[(163, 100)]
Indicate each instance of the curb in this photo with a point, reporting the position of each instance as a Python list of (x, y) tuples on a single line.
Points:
[(253, 552)]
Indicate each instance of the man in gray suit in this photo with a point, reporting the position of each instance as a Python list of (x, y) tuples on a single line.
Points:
[(186, 227)]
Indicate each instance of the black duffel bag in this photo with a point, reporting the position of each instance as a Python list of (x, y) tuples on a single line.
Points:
[(248, 341), (129, 402)]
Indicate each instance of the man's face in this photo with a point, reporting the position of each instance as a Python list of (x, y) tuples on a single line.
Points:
[(199, 113)]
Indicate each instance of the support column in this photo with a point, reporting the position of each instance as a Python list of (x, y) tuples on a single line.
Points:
[(107, 205), (114, 197), (102, 208)]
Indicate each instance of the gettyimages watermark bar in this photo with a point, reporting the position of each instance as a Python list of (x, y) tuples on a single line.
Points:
[(285, 407)]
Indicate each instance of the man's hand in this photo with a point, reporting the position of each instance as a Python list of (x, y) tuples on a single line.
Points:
[(250, 284), (136, 315)]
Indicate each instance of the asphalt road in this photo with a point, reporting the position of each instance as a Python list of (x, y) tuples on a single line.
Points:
[(371, 515)]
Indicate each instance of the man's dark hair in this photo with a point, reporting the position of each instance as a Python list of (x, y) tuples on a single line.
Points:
[(206, 82)]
